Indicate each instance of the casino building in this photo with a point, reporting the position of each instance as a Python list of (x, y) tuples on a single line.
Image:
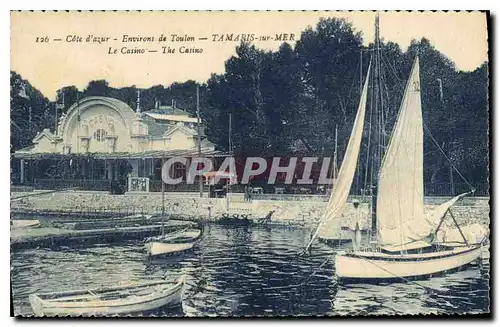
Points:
[(101, 142)]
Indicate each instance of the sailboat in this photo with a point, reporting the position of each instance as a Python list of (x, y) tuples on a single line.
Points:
[(405, 244), (173, 243), (331, 228)]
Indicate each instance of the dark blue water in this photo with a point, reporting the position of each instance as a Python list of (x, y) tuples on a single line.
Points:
[(245, 272)]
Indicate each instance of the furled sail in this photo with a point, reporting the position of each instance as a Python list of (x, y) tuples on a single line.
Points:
[(345, 177), (420, 233), (434, 217), (400, 199), (474, 234)]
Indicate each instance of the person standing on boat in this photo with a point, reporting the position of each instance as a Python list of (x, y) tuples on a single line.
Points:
[(246, 196), (354, 227)]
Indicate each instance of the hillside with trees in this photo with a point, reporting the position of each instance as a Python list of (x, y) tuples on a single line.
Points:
[(291, 100)]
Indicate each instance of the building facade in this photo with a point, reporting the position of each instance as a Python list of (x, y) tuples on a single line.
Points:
[(102, 139)]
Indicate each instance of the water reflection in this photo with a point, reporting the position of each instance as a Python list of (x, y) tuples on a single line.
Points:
[(463, 291)]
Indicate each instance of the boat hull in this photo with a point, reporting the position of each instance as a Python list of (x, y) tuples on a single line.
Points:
[(334, 241), (188, 236), (234, 222), (167, 297), (18, 224), (380, 267), (157, 249), (336, 238)]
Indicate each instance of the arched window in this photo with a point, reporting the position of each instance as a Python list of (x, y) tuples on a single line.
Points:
[(100, 135)]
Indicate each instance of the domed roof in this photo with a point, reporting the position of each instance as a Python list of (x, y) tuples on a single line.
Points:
[(125, 111)]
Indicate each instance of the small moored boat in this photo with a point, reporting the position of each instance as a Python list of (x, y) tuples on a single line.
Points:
[(183, 236), (172, 243), (129, 299), (16, 224), (155, 249), (235, 220)]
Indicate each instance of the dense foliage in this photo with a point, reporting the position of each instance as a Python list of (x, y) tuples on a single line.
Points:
[(291, 100), (30, 112)]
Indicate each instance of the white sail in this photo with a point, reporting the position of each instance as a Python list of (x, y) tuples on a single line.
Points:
[(400, 200), (433, 218), (419, 233), (345, 177), (474, 234)]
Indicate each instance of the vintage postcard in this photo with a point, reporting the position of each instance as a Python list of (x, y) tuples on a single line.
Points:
[(249, 164)]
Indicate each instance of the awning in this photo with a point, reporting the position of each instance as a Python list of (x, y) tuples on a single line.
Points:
[(212, 175)]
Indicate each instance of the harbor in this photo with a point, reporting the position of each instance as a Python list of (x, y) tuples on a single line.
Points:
[(268, 189), (244, 271), (226, 262)]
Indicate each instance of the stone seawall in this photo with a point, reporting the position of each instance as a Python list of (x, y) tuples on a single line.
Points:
[(191, 206)]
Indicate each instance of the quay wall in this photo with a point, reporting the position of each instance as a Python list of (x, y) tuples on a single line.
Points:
[(289, 208)]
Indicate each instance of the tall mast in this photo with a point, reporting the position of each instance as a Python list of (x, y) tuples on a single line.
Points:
[(335, 157), (230, 144), (162, 197), (59, 105), (198, 132), (228, 190), (359, 172), (79, 120), (377, 130)]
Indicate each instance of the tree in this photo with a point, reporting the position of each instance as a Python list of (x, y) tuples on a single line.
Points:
[(329, 61), (97, 88), (128, 95), (184, 95), (70, 94), (30, 112), (293, 98), (282, 92), (239, 93)]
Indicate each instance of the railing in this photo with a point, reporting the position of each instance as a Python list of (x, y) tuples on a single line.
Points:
[(435, 189), (155, 186), (80, 184), (21, 188)]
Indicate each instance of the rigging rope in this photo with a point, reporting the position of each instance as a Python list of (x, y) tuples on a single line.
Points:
[(446, 157), (314, 272), (349, 98)]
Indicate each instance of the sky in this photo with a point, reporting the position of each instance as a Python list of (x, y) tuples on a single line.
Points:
[(51, 65)]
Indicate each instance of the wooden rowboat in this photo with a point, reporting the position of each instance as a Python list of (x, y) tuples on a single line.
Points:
[(156, 249), (183, 236), (235, 220), (16, 224), (129, 299), (172, 243)]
